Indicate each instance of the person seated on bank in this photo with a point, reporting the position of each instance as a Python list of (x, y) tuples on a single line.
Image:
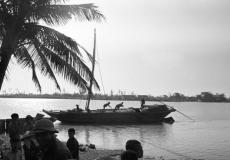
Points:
[(132, 146), (73, 144), (106, 105), (118, 106), (51, 147)]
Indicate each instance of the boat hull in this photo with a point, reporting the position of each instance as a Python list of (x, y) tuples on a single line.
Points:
[(109, 117)]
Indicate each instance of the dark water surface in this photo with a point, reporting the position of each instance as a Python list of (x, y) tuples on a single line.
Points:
[(205, 138)]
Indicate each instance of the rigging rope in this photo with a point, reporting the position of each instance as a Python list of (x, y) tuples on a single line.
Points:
[(165, 149), (100, 70), (146, 140)]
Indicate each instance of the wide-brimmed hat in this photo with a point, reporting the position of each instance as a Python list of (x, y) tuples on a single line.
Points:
[(27, 135), (44, 125)]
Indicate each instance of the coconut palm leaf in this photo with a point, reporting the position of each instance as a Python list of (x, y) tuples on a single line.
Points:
[(38, 46), (23, 57), (43, 64), (61, 45), (66, 70), (65, 48), (56, 41), (60, 14)]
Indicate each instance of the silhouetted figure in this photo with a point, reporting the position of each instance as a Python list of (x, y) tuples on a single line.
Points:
[(118, 106), (15, 129), (88, 110), (78, 108), (133, 152), (106, 105), (30, 147), (28, 124), (134, 145), (38, 116), (142, 102), (135, 109), (51, 147), (73, 144), (129, 155)]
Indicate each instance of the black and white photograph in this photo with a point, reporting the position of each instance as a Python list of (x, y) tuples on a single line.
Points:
[(114, 79)]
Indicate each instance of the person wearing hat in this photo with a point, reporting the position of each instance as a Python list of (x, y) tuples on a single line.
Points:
[(51, 147)]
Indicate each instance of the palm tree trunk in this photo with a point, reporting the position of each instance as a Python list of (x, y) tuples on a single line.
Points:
[(6, 50), (5, 55)]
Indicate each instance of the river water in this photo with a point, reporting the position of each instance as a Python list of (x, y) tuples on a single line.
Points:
[(207, 137)]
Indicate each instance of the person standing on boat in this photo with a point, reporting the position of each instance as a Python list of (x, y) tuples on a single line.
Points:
[(73, 144), (142, 102), (78, 108), (106, 105), (118, 106), (51, 147)]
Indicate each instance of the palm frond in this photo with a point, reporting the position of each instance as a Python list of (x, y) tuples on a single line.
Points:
[(66, 70), (43, 64), (50, 36), (63, 46), (19, 22), (60, 14), (23, 57), (66, 48)]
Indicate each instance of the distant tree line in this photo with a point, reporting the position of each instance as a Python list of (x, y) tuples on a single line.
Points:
[(175, 97), (202, 97)]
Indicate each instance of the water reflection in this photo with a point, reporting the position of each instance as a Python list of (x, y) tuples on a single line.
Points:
[(115, 137), (207, 137)]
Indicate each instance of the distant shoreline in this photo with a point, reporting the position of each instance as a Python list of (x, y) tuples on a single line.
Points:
[(110, 98)]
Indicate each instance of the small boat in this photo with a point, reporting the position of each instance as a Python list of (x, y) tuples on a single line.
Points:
[(144, 115)]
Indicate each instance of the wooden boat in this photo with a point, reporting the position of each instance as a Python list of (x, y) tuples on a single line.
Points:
[(144, 115)]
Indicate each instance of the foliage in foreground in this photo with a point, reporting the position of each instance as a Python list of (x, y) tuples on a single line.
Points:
[(39, 47)]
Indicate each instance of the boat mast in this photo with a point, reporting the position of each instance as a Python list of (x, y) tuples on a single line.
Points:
[(92, 76)]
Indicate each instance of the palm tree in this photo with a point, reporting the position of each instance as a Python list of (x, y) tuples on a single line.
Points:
[(40, 47)]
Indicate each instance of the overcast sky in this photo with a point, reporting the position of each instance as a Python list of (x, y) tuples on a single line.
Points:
[(152, 47)]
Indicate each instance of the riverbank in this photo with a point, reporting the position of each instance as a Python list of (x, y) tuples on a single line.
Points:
[(89, 154)]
